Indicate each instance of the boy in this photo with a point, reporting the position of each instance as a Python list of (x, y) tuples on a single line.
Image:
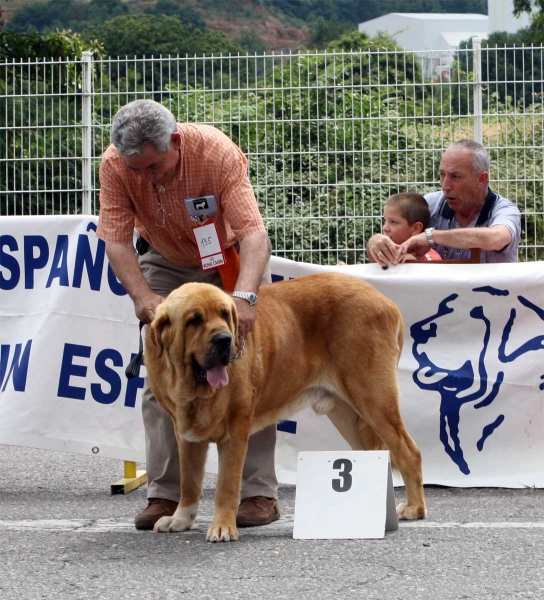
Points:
[(405, 215)]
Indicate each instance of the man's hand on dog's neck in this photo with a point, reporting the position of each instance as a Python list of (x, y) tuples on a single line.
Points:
[(246, 316)]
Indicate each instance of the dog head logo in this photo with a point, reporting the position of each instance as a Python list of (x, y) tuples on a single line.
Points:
[(200, 204), (502, 335)]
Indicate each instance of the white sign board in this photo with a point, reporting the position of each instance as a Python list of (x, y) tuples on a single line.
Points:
[(344, 495)]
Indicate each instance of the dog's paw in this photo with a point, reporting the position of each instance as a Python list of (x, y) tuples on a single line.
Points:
[(222, 533), (181, 520), (172, 524), (411, 512)]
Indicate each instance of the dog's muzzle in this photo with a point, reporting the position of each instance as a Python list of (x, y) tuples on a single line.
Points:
[(221, 347), (214, 370)]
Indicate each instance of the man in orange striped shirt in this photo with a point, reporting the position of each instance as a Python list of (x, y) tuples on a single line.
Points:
[(152, 166)]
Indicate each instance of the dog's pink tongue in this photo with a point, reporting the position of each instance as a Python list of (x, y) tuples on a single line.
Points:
[(218, 376)]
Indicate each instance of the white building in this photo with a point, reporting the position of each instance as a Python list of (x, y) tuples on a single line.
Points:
[(434, 37)]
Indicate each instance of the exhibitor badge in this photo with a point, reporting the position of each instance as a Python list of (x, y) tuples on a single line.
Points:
[(209, 247)]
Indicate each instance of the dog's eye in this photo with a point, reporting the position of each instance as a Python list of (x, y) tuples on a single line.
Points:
[(225, 314), (194, 321)]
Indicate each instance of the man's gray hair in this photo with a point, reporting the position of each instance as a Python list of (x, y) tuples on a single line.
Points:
[(480, 157), (142, 122)]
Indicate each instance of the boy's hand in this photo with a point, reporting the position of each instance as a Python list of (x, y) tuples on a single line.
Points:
[(407, 258), (383, 250), (417, 245)]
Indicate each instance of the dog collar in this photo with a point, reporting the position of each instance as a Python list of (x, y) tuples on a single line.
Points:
[(240, 352)]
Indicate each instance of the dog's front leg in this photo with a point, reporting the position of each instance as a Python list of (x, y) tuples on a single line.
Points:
[(232, 455), (192, 458)]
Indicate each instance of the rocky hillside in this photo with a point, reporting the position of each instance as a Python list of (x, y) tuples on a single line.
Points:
[(235, 18), (280, 24)]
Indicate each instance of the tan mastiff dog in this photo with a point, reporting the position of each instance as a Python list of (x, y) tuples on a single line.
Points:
[(329, 340)]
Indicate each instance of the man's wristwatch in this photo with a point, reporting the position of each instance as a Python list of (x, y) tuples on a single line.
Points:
[(250, 297), (430, 238)]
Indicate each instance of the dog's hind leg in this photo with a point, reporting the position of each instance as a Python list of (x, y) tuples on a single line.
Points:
[(357, 432), (192, 457), (345, 419), (381, 414), (354, 429)]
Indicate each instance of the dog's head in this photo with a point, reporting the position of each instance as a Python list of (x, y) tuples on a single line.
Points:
[(195, 329)]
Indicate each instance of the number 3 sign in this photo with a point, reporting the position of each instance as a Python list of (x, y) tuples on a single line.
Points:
[(344, 495)]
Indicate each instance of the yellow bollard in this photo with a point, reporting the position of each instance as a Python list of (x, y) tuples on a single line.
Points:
[(130, 469), (132, 480)]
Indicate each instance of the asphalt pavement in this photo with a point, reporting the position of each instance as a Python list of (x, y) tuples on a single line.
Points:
[(63, 536)]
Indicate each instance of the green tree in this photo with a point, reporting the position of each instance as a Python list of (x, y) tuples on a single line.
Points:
[(44, 98), (323, 32), (44, 17), (386, 62), (510, 67), (527, 6), (184, 13), (534, 34), (251, 42), (161, 37), (153, 35), (316, 149), (61, 44), (49, 16), (104, 10)]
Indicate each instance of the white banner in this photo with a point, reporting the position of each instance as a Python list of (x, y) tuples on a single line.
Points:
[(471, 374), (67, 333)]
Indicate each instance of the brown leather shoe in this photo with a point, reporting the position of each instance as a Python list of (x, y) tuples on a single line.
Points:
[(257, 510), (157, 508)]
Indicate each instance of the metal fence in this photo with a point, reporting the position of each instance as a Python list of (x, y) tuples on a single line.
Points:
[(329, 136)]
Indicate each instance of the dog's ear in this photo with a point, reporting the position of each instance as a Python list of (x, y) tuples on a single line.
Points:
[(234, 316), (160, 331)]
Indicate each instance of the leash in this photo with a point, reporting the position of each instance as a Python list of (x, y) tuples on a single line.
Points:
[(133, 367)]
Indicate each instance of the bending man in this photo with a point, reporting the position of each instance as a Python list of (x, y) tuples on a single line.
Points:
[(168, 179)]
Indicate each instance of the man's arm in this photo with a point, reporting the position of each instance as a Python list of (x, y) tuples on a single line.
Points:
[(242, 212), (383, 250), (486, 238), (254, 256), (125, 265)]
